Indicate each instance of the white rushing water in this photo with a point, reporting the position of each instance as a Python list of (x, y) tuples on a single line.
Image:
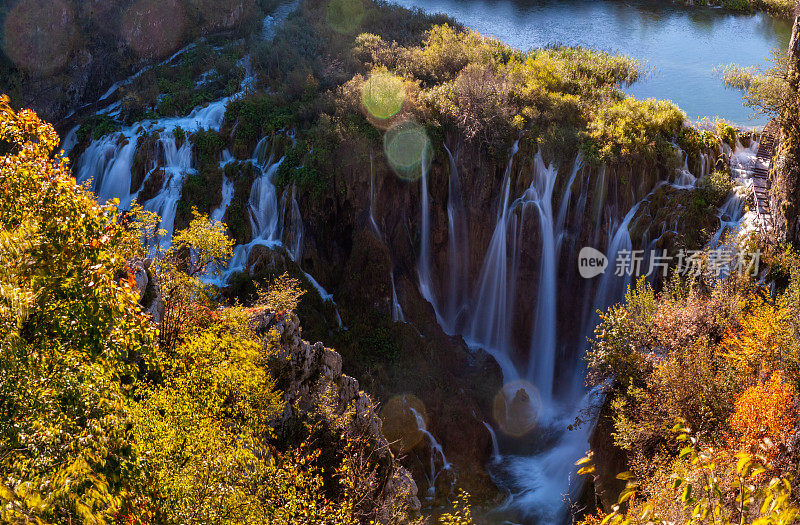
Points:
[(541, 369), (437, 462), (106, 163), (458, 238), (484, 314)]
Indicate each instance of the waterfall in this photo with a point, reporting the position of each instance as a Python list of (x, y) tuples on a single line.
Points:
[(489, 326), (263, 204), (495, 444), (397, 310), (612, 287), (540, 482), (106, 163), (227, 189), (541, 366), (564, 207), (458, 248), (177, 163), (435, 449), (731, 213), (294, 230), (372, 222), (424, 263)]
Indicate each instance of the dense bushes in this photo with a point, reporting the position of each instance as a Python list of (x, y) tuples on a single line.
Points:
[(199, 75), (721, 356), (778, 7), (250, 118), (70, 333), (633, 129), (110, 415)]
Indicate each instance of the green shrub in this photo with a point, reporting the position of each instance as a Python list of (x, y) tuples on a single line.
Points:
[(96, 126), (254, 116), (727, 133), (715, 187), (633, 129)]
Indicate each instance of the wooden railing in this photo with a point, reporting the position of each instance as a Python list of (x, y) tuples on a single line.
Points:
[(761, 182)]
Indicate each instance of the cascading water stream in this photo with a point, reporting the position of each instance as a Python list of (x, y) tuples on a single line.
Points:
[(227, 189), (458, 248), (107, 161), (495, 443), (541, 366), (564, 207), (424, 262), (435, 450), (490, 327)]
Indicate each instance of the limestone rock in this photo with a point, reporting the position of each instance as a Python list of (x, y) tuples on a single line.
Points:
[(314, 373)]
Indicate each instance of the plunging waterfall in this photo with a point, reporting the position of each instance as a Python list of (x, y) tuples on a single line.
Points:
[(458, 246), (490, 326), (424, 262), (541, 367)]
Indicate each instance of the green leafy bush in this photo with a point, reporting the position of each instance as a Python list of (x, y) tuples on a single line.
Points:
[(633, 129)]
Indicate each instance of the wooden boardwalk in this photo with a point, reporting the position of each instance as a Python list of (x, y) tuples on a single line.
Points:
[(761, 183)]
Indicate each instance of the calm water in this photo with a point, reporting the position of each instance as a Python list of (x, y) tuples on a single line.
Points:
[(682, 46)]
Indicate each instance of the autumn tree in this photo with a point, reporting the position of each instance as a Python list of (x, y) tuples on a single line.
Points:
[(70, 328)]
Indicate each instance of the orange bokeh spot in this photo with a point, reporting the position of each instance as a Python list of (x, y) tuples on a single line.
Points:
[(153, 28), (39, 35)]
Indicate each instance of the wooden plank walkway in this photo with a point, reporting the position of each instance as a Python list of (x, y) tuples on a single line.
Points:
[(761, 183)]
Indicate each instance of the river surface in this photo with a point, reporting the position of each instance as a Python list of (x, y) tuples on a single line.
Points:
[(681, 46)]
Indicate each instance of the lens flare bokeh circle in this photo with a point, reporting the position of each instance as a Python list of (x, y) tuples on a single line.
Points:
[(153, 28), (383, 94), (516, 408), (400, 426), (345, 16), (39, 35), (408, 149)]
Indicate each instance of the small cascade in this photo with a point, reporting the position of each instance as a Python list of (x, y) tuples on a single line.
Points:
[(271, 23), (177, 163), (458, 249), (424, 263), (435, 450), (227, 189), (731, 214), (599, 203), (373, 224), (294, 230), (495, 445), (564, 207), (397, 310), (263, 204), (612, 287), (685, 179), (263, 209), (106, 163)]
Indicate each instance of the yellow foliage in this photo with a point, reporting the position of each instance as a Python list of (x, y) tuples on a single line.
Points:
[(764, 333)]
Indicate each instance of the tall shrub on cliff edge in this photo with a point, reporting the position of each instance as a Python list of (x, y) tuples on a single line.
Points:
[(69, 329)]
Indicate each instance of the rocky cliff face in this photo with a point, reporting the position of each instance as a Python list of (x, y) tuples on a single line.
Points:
[(92, 44), (311, 378)]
